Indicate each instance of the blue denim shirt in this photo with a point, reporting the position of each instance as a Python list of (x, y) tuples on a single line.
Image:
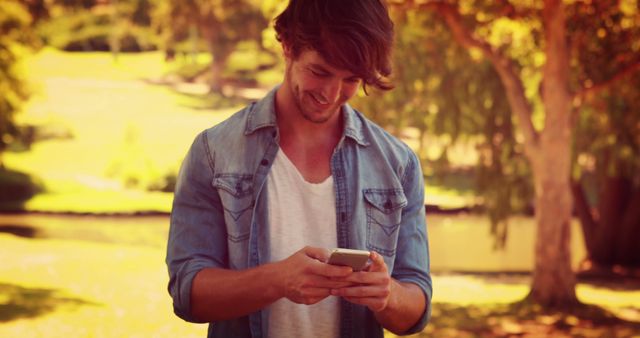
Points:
[(219, 217)]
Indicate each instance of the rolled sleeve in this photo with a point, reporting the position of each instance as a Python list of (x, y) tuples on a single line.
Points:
[(412, 259), (197, 234)]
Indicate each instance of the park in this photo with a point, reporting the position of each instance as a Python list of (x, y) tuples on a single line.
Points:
[(101, 99)]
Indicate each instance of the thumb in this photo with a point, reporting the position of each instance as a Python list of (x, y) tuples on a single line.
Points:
[(320, 254), (377, 263)]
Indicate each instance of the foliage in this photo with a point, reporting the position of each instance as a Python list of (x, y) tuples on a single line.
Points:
[(446, 92), (606, 144), (14, 37), (122, 26), (472, 108), (99, 103), (221, 24), (15, 188), (609, 123)]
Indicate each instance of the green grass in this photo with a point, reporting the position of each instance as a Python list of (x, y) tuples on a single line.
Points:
[(126, 133), (51, 63), (88, 276), (91, 290)]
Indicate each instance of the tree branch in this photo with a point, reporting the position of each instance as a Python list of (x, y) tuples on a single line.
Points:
[(505, 68), (508, 10), (587, 92)]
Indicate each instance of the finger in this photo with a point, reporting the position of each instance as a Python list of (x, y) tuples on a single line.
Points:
[(369, 291), (322, 282), (377, 262), (311, 301), (310, 297), (320, 254), (328, 270), (367, 278), (314, 292)]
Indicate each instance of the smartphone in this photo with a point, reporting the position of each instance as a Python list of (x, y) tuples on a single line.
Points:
[(356, 259)]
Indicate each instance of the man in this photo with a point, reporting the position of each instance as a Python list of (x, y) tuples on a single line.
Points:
[(262, 196)]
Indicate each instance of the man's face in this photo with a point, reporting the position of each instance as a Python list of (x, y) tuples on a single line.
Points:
[(318, 89)]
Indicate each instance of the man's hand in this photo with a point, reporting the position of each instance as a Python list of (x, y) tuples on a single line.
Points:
[(307, 279), (370, 287)]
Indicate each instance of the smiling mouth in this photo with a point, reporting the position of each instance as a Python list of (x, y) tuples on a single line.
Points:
[(321, 102)]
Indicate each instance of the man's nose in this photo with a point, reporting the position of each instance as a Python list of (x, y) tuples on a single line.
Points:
[(331, 90)]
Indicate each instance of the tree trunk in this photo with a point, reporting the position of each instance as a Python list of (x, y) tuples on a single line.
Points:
[(614, 196), (220, 50), (611, 238), (628, 251), (554, 282), (215, 83)]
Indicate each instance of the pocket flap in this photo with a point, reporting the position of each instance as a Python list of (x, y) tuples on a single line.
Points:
[(237, 185), (386, 200)]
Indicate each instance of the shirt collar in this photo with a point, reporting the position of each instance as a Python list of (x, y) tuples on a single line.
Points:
[(262, 114)]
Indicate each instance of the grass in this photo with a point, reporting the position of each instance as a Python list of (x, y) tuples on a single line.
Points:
[(126, 133), (114, 133), (88, 276)]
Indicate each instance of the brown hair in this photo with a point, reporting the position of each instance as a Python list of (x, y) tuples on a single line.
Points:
[(356, 35)]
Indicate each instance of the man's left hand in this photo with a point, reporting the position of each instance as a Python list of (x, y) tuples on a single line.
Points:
[(372, 286)]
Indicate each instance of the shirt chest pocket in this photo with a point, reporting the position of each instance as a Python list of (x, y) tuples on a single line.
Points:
[(236, 195), (384, 215)]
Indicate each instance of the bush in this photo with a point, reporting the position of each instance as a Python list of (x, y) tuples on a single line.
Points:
[(87, 31), (16, 188)]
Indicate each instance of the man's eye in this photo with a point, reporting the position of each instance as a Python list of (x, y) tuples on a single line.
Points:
[(319, 74)]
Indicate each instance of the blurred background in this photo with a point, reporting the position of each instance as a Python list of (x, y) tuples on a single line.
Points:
[(100, 100)]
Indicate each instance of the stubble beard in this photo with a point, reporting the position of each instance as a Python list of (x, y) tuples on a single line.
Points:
[(306, 113)]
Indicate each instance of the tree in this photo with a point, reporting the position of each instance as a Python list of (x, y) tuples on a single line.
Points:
[(456, 98), (545, 118), (14, 37), (221, 23), (606, 176)]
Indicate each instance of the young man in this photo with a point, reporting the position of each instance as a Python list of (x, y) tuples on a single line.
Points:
[(262, 196)]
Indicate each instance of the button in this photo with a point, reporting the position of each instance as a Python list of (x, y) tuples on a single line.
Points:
[(387, 204), (264, 162)]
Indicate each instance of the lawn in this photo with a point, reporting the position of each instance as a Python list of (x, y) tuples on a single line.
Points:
[(108, 132), (88, 276), (111, 131)]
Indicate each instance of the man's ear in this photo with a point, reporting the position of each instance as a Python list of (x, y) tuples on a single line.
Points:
[(287, 51)]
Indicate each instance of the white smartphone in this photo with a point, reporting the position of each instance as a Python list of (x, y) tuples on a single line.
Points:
[(356, 259)]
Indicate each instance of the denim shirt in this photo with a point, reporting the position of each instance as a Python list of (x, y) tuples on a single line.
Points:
[(219, 216)]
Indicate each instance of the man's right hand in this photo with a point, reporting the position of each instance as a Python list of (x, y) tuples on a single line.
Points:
[(307, 278)]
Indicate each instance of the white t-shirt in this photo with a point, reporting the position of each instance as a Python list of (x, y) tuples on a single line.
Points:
[(300, 214)]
